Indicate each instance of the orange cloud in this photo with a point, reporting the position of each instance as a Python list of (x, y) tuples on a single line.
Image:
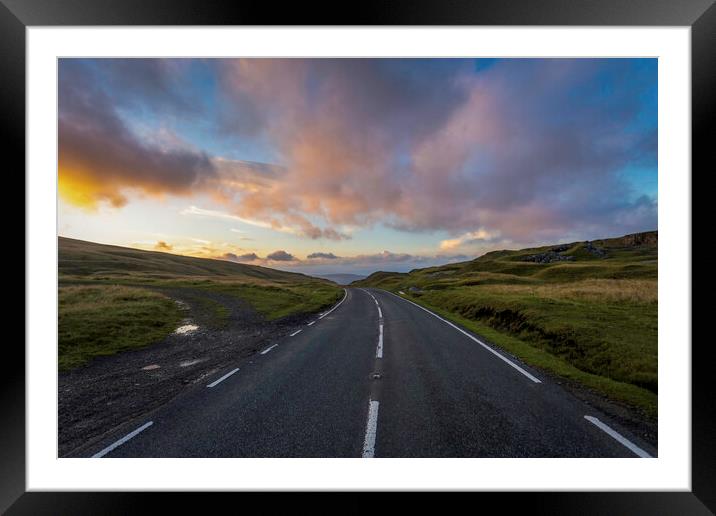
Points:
[(163, 246), (523, 149)]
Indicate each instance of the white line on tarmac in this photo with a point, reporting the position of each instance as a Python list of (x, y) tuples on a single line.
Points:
[(379, 350), (370, 430), (123, 440), (311, 323), (488, 348), (268, 349), (214, 384), (618, 437), (296, 332), (339, 304)]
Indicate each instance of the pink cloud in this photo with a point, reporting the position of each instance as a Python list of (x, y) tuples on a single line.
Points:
[(414, 145)]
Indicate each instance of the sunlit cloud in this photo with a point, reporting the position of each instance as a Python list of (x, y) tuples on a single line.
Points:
[(471, 237), (302, 227), (193, 210), (163, 246), (527, 150)]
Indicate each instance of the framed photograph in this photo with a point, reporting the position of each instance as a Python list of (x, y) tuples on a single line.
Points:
[(424, 248)]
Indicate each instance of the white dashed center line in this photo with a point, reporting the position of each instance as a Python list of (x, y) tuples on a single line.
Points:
[(217, 382), (268, 349), (379, 350), (371, 430), (296, 332)]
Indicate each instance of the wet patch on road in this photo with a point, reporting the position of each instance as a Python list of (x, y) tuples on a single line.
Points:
[(218, 330)]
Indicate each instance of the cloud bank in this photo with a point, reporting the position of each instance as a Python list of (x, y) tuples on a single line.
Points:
[(530, 150)]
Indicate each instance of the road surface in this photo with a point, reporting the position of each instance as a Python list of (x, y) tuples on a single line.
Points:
[(376, 376)]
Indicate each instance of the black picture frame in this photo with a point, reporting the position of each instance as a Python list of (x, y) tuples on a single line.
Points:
[(700, 15)]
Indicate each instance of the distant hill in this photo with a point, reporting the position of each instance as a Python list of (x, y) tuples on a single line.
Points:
[(341, 278), (628, 256), (81, 259)]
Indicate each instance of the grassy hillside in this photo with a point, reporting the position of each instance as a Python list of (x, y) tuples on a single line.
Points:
[(114, 298), (88, 260), (586, 311)]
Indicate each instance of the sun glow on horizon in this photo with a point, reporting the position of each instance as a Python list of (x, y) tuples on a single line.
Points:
[(355, 164)]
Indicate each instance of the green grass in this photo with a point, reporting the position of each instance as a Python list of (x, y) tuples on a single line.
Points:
[(105, 310), (622, 391), (272, 293), (275, 302), (104, 320), (593, 320)]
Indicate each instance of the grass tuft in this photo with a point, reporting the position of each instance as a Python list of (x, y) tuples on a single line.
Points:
[(104, 320)]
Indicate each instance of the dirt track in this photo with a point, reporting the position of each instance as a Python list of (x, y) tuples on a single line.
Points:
[(109, 391)]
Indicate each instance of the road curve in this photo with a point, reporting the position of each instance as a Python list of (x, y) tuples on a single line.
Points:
[(377, 376), (445, 395)]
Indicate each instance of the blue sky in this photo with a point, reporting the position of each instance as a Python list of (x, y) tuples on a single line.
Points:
[(381, 164)]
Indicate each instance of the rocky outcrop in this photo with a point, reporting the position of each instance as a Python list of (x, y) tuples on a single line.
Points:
[(548, 257), (639, 239), (596, 251)]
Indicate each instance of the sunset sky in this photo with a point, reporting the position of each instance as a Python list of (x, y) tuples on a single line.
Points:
[(355, 165)]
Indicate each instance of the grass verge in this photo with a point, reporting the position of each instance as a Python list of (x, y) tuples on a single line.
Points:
[(103, 320), (275, 302), (628, 393)]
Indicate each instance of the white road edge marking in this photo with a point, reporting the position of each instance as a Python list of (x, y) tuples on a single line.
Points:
[(123, 440), (311, 323), (379, 351), (268, 349), (370, 430), (488, 348), (296, 332), (618, 437), (339, 304), (371, 295), (215, 383)]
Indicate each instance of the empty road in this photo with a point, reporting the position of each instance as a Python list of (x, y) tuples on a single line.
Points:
[(376, 376)]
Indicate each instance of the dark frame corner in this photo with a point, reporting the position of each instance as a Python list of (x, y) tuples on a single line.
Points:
[(700, 15)]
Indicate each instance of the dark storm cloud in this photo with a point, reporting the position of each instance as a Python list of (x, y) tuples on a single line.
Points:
[(249, 257), (326, 256)]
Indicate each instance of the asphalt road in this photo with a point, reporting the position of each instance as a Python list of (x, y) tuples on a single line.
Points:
[(378, 376)]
